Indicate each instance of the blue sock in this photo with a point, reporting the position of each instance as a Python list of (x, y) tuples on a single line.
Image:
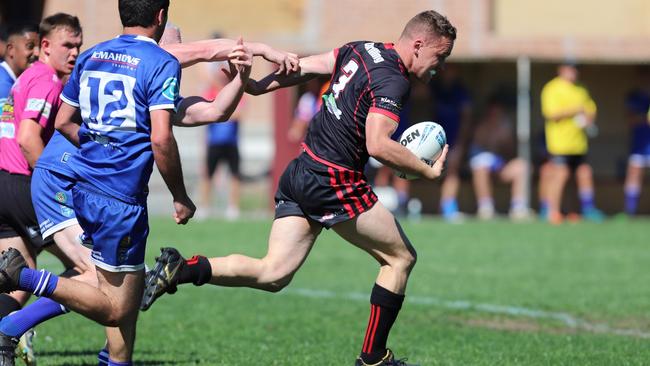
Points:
[(40, 283), (16, 324), (631, 199), (449, 206), (115, 363), (543, 206), (587, 200), (102, 357)]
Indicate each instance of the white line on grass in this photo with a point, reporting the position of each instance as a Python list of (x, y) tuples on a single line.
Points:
[(565, 318)]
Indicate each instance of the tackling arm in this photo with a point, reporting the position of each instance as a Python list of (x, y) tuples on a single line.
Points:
[(310, 67), (379, 128), (219, 49)]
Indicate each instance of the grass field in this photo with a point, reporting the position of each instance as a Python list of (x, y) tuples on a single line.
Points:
[(481, 294)]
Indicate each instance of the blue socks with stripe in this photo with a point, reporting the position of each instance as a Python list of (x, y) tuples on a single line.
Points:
[(16, 324), (38, 282)]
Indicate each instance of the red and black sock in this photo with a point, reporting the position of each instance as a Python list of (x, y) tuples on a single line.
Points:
[(196, 270), (384, 307)]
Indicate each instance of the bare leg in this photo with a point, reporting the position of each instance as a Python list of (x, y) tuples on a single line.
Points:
[(290, 241), (557, 181), (632, 187), (515, 173), (114, 304), (377, 232)]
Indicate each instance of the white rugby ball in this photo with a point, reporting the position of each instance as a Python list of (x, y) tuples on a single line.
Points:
[(426, 140)]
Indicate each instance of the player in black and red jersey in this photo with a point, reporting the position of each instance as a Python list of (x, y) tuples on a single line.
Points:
[(325, 186)]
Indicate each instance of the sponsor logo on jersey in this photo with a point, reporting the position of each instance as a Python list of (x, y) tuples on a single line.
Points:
[(115, 57), (60, 197), (7, 130), (170, 88), (330, 215), (66, 211), (330, 103), (39, 105), (46, 225), (374, 52), (65, 157)]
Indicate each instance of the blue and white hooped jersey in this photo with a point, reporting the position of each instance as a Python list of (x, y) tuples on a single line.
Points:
[(116, 84)]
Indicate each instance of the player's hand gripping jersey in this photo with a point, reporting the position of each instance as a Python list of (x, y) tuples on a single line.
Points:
[(113, 88), (367, 77)]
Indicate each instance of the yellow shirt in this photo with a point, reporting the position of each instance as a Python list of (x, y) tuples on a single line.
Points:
[(565, 136)]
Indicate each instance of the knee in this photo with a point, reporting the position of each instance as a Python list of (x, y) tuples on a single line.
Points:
[(275, 278), (405, 261), (118, 317)]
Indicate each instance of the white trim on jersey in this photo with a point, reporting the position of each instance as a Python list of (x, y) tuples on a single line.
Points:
[(162, 106), (68, 101)]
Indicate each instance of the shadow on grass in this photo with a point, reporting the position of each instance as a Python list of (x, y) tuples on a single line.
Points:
[(143, 358)]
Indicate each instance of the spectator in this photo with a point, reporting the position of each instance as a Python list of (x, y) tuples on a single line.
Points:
[(569, 112), (637, 105), (493, 150), (222, 145), (452, 110)]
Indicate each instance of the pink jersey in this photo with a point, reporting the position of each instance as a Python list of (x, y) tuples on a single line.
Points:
[(35, 96)]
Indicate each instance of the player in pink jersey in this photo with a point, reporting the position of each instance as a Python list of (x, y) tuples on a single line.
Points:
[(27, 124)]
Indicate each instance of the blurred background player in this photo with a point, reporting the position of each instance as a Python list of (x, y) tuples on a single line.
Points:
[(637, 105), (21, 50), (308, 105), (452, 108), (222, 146), (493, 151), (569, 112), (3, 41)]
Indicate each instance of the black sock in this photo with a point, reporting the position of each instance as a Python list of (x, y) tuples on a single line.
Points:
[(8, 305), (384, 307), (196, 270)]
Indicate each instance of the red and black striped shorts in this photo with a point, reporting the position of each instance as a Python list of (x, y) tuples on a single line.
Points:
[(322, 191)]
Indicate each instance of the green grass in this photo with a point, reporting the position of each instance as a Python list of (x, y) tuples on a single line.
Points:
[(595, 273)]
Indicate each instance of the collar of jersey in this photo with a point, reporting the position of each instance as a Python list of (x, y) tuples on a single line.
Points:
[(5, 66), (139, 38)]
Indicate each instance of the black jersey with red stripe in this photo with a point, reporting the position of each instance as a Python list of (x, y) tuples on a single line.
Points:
[(367, 77)]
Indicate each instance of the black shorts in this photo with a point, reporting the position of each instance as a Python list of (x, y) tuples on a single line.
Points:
[(17, 216), (572, 161), (322, 192), (217, 153)]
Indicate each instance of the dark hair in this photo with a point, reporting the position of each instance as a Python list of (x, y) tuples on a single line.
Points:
[(433, 22), (140, 13), (3, 33), (59, 20), (19, 29)]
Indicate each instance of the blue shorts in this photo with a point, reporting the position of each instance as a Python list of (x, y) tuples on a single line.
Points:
[(480, 158), (117, 231), (52, 199)]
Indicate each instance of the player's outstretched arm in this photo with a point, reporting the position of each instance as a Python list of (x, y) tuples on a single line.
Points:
[(68, 121), (168, 161), (196, 111), (379, 129), (218, 49), (310, 67)]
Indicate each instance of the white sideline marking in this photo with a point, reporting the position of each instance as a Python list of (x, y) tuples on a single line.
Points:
[(565, 318)]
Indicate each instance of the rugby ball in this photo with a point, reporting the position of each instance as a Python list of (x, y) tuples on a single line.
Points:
[(426, 140)]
